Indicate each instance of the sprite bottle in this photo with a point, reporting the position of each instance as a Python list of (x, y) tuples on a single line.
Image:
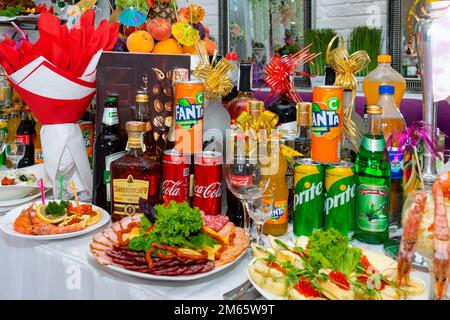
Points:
[(373, 171)]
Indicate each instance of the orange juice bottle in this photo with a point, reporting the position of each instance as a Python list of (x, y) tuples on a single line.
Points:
[(277, 225), (384, 74)]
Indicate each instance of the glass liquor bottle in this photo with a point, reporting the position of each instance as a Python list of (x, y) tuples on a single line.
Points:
[(134, 176), (142, 114), (373, 171), (108, 148), (241, 102), (304, 123)]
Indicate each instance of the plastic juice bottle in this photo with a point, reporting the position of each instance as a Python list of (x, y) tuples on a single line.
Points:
[(384, 74), (13, 124), (374, 183), (278, 223), (392, 121)]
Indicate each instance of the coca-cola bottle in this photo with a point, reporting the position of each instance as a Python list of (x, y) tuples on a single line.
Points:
[(25, 134)]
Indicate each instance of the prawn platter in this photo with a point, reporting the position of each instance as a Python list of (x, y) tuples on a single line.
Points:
[(30, 221), (169, 242)]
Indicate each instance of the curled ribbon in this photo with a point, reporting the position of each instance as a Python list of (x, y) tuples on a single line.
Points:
[(280, 70), (346, 67), (253, 127), (216, 78)]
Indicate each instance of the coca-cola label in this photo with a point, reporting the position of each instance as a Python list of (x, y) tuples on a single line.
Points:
[(240, 181), (208, 192), (23, 138), (173, 189)]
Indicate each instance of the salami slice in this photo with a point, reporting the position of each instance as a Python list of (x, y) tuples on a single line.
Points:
[(215, 222)]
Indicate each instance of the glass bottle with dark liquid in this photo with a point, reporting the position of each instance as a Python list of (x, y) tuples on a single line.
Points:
[(134, 176), (142, 114), (108, 148), (25, 134)]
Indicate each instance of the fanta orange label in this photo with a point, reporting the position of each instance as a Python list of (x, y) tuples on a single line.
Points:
[(189, 100), (327, 113)]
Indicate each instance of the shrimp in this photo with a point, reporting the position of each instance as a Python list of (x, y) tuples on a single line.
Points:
[(50, 229), (23, 223), (409, 238), (440, 242)]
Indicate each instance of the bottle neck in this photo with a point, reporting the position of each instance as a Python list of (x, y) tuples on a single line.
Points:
[(110, 120), (303, 132), (142, 112), (374, 124), (135, 143)]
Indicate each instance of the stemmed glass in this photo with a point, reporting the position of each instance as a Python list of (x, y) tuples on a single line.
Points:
[(247, 180), (15, 152)]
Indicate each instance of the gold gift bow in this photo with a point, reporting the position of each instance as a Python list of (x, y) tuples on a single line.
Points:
[(346, 67), (267, 121), (216, 79)]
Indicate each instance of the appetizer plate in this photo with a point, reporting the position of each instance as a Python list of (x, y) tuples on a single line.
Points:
[(417, 275), (7, 221), (8, 205), (146, 276), (8, 193)]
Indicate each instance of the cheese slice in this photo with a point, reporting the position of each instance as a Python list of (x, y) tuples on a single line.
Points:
[(135, 232)]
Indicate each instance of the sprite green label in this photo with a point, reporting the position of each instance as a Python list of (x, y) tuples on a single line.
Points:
[(340, 197), (308, 197)]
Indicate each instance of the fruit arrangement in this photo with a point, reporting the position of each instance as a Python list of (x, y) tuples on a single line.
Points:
[(167, 31), (22, 7)]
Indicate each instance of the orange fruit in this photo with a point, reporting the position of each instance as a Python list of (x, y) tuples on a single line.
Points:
[(210, 45), (140, 41), (190, 50), (169, 46)]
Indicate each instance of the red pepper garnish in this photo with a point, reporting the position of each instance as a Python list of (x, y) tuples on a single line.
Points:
[(365, 263), (275, 266), (8, 182), (305, 287), (339, 279)]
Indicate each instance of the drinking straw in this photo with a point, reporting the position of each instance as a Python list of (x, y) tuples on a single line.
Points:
[(74, 190), (61, 180), (41, 187)]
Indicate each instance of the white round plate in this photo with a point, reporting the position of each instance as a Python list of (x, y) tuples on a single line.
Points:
[(147, 276), (417, 275), (6, 225)]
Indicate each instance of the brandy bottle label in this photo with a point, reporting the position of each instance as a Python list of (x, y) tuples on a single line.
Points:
[(126, 195)]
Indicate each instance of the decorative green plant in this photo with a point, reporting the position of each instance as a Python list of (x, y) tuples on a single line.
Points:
[(319, 38), (368, 39)]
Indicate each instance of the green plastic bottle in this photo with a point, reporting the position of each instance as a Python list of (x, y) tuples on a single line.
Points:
[(373, 171)]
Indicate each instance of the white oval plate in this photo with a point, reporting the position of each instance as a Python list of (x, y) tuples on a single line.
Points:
[(6, 225), (147, 276), (11, 204), (417, 275), (8, 193)]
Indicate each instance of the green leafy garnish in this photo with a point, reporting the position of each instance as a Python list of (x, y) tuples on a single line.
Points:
[(331, 250), (12, 11), (177, 225), (56, 209)]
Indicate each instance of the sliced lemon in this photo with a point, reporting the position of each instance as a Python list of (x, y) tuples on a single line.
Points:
[(40, 212)]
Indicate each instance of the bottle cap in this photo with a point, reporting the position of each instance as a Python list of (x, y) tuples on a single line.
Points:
[(384, 58), (374, 109), (232, 56), (141, 97), (304, 114), (386, 90), (135, 126)]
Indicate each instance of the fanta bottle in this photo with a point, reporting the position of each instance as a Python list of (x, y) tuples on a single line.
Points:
[(277, 225), (384, 74)]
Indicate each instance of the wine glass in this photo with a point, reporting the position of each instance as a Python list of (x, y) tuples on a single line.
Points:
[(246, 180), (262, 212), (15, 152)]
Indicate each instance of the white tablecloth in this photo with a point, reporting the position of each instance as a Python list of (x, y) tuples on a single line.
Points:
[(63, 270)]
